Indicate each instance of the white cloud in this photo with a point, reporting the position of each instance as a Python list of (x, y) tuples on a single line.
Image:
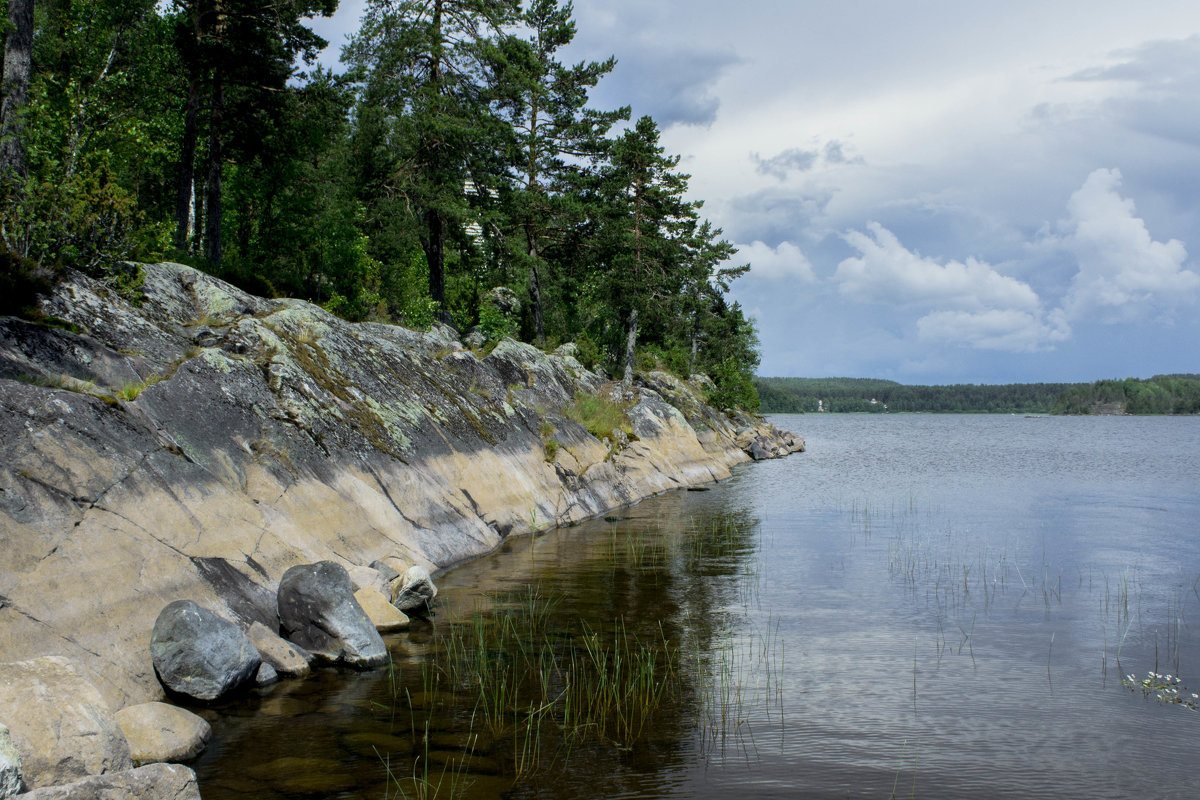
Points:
[(1124, 274), (887, 272), (1011, 330), (776, 263)]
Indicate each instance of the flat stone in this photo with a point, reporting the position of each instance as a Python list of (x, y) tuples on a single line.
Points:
[(289, 660), (160, 732), (59, 723), (200, 655), (151, 782), (383, 614)]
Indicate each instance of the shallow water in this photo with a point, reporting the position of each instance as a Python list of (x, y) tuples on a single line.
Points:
[(920, 606)]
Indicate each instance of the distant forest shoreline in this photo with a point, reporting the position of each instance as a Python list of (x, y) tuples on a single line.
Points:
[(1161, 394)]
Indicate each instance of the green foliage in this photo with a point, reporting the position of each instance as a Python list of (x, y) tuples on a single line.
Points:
[(494, 323), (21, 281), (551, 447), (735, 386), (459, 153), (800, 395), (599, 415), (1162, 394), (586, 351)]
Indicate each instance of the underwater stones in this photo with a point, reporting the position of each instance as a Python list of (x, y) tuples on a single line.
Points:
[(167, 781), (59, 723), (10, 766), (288, 659), (415, 591), (160, 732), (385, 616), (198, 654), (317, 611)]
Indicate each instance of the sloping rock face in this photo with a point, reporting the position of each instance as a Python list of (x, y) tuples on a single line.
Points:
[(200, 445)]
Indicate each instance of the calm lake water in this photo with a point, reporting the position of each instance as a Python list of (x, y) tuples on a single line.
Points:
[(919, 606)]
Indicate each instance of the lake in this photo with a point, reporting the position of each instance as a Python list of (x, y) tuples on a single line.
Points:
[(932, 606)]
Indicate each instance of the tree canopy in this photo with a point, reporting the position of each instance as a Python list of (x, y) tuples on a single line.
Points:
[(456, 162)]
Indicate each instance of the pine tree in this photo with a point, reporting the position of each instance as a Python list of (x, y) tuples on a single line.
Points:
[(426, 70), (645, 212), (556, 136)]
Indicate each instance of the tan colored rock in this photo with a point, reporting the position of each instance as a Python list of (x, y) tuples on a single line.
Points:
[(152, 782), (289, 437), (288, 659), (59, 723), (365, 576), (383, 614), (161, 732)]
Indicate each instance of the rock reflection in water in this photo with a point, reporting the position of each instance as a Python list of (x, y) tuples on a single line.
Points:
[(665, 578)]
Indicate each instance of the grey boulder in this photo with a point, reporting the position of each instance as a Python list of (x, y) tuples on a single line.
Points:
[(200, 655), (317, 611)]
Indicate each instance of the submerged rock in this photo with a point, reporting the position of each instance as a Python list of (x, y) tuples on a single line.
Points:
[(317, 611), (200, 655), (59, 723), (160, 732), (165, 781), (415, 591)]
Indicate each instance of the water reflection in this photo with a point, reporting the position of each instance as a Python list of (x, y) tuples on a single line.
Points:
[(919, 606)]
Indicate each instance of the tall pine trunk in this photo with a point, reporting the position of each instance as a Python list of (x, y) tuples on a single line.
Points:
[(535, 292), (18, 67), (187, 164), (435, 254), (630, 345), (216, 157)]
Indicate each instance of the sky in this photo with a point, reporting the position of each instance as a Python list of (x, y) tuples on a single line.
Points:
[(931, 191)]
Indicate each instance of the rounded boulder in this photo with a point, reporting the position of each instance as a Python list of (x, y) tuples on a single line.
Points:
[(317, 611), (200, 655)]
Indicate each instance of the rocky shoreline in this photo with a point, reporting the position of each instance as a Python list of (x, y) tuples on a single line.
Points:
[(200, 445)]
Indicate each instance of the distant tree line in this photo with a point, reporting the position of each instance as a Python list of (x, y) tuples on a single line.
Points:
[(1162, 394), (802, 395), (457, 154)]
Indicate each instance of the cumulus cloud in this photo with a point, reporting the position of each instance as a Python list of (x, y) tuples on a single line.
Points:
[(887, 272), (777, 263), (969, 303), (1008, 329), (1124, 274)]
